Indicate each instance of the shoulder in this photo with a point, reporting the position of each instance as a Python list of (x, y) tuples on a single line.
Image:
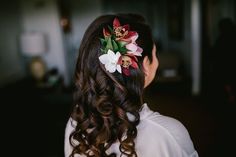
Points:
[(70, 127), (164, 132)]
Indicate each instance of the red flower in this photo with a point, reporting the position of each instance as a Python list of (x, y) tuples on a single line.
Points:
[(122, 32), (126, 61), (106, 33)]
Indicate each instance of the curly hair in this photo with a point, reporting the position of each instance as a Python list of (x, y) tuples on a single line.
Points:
[(107, 105)]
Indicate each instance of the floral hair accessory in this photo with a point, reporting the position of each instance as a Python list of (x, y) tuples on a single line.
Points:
[(120, 48)]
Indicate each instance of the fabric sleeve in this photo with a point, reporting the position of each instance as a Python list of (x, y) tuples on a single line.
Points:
[(180, 134), (68, 130), (67, 146), (163, 136)]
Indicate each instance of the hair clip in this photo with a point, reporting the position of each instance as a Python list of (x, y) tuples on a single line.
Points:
[(119, 48)]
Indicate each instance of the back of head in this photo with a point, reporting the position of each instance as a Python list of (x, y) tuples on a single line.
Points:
[(103, 99)]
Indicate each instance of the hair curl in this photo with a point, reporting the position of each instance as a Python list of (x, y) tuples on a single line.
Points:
[(103, 100)]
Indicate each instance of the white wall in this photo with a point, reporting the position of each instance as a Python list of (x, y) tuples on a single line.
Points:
[(83, 12), (196, 46), (45, 18), (11, 67), (160, 27)]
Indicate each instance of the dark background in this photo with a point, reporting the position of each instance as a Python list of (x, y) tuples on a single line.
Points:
[(200, 92)]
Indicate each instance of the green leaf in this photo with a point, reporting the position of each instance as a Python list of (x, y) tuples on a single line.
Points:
[(121, 43), (103, 42), (103, 51), (110, 29), (112, 33), (106, 50), (115, 46), (109, 44), (123, 50), (106, 38)]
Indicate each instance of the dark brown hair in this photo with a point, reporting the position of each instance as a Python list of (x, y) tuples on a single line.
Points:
[(102, 99)]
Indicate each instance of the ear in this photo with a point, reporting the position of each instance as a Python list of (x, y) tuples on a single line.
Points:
[(146, 65)]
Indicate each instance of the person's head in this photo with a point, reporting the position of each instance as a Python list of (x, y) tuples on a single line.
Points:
[(104, 96)]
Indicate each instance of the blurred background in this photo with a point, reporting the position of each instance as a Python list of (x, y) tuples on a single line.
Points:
[(195, 82)]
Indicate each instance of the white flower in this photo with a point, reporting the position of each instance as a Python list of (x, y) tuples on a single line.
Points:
[(110, 60)]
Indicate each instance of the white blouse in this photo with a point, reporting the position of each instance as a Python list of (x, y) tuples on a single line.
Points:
[(158, 136)]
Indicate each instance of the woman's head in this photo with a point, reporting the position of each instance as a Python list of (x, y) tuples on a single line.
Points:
[(104, 98), (90, 48)]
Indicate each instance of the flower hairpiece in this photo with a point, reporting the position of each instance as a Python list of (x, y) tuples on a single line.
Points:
[(120, 48)]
